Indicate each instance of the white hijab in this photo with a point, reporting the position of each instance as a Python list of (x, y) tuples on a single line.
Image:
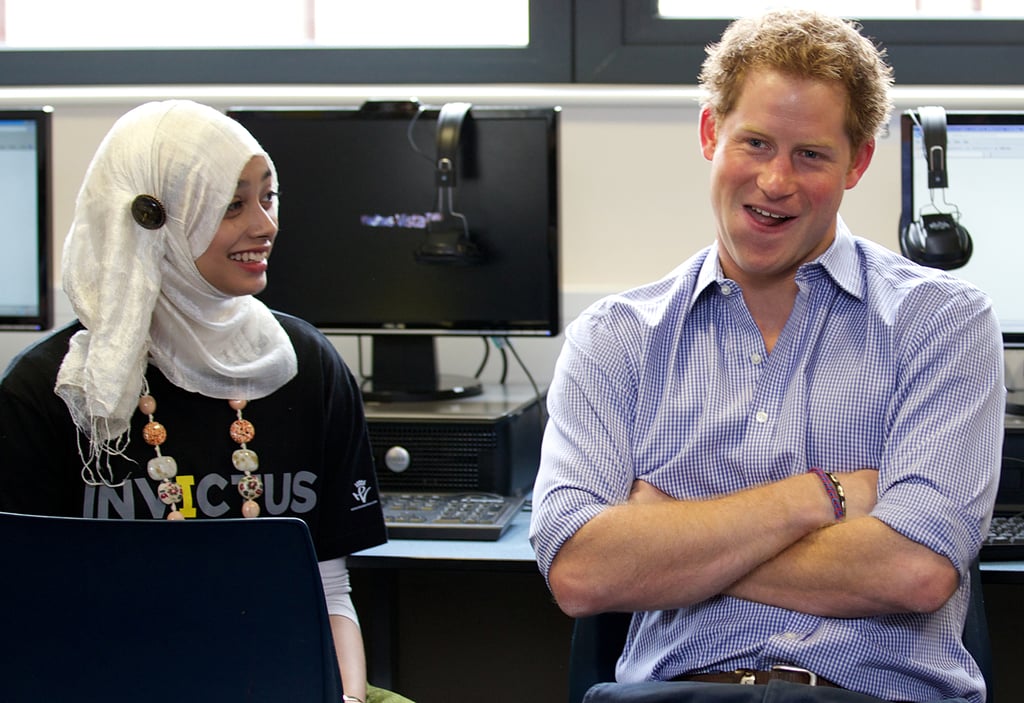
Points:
[(138, 291)]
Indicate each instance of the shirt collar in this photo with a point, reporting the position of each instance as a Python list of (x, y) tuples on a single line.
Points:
[(710, 273), (840, 261)]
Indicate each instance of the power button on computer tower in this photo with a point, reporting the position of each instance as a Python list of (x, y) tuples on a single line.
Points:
[(397, 459)]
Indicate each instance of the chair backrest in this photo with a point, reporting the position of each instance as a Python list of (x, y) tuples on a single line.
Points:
[(976, 637), (597, 642), (113, 610)]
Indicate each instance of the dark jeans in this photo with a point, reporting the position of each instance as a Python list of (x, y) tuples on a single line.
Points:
[(695, 692)]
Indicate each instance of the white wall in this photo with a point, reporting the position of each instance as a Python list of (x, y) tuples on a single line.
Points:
[(633, 182)]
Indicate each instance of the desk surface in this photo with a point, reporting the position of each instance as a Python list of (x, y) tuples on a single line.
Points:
[(511, 552), (1002, 571)]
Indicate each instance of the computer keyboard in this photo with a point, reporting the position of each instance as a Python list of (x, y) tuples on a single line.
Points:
[(1005, 540), (464, 515)]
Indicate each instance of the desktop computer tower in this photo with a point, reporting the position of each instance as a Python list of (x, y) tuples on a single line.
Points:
[(488, 442)]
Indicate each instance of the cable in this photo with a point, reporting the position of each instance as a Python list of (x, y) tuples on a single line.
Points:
[(364, 378), (506, 342), (483, 363), (408, 135), (504, 366)]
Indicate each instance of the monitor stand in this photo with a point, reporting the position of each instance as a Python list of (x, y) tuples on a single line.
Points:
[(405, 369)]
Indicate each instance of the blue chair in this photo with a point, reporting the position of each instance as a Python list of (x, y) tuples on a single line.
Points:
[(597, 642), (158, 611)]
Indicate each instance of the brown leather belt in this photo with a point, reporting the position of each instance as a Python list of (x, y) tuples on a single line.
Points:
[(793, 674)]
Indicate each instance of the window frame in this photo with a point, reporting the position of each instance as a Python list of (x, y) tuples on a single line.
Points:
[(547, 59), (626, 41), (611, 42)]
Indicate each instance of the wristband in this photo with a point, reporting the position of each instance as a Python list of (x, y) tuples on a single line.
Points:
[(835, 491), (348, 698)]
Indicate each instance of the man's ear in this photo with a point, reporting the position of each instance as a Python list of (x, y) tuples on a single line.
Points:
[(860, 163), (708, 133)]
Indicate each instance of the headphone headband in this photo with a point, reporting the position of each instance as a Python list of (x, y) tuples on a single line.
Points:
[(933, 124), (449, 129)]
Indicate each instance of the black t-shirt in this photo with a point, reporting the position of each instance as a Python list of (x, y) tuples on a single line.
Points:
[(310, 436)]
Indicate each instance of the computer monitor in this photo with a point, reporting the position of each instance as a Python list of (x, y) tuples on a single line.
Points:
[(407, 222), (25, 230), (985, 172)]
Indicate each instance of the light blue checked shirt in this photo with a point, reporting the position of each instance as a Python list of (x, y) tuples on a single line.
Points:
[(882, 364)]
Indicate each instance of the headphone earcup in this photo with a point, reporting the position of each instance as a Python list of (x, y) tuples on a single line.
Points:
[(447, 242), (938, 241), (965, 248), (911, 240)]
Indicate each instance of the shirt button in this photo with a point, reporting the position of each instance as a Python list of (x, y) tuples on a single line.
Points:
[(755, 358), (726, 289), (761, 416)]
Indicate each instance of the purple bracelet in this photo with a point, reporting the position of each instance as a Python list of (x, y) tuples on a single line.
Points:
[(835, 491)]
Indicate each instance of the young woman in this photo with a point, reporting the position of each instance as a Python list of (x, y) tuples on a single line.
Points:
[(176, 393)]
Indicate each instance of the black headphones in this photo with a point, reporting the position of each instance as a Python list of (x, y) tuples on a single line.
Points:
[(448, 240), (937, 239)]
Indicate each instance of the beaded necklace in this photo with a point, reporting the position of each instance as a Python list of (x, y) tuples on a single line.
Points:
[(163, 468)]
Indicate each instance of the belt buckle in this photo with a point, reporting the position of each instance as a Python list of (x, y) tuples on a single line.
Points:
[(812, 678)]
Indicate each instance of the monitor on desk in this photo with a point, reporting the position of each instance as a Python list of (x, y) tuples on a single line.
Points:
[(985, 172), (404, 222), (25, 297)]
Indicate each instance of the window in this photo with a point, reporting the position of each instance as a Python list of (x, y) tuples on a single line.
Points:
[(621, 41), (265, 23), (863, 9), (284, 42)]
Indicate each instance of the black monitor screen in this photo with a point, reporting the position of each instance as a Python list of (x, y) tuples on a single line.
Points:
[(985, 170), (25, 299), (390, 229)]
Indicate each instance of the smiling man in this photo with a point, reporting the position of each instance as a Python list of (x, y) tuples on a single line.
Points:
[(784, 453)]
